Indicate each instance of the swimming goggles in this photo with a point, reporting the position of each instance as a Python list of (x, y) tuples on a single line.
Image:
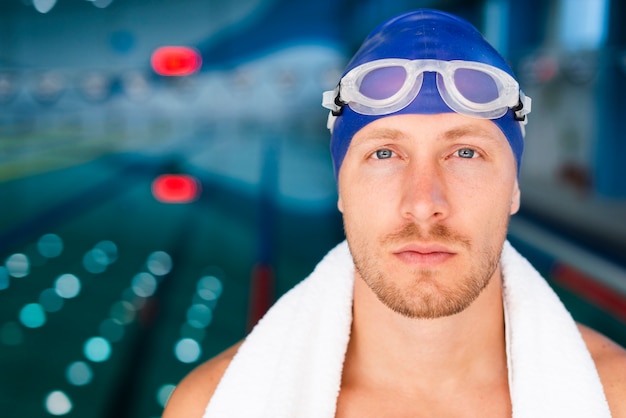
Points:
[(385, 86)]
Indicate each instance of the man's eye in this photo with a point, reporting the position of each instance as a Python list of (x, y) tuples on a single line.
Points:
[(382, 154), (466, 153)]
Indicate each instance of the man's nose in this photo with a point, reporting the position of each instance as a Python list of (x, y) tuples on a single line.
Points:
[(424, 193)]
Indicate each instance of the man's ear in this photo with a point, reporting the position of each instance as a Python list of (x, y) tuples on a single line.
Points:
[(340, 204), (515, 199)]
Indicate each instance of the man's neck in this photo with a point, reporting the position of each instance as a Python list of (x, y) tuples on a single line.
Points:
[(415, 354)]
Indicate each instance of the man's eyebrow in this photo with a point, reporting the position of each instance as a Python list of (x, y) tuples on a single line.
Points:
[(467, 130), (384, 134)]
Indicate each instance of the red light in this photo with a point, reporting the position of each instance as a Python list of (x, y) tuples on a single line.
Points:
[(175, 188), (176, 61)]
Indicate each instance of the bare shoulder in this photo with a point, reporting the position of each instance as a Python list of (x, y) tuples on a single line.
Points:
[(193, 393), (610, 360)]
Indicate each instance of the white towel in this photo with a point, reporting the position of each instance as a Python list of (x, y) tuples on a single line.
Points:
[(551, 373), (290, 365)]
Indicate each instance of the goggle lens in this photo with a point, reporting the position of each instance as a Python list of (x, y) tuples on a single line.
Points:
[(382, 83), (475, 86)]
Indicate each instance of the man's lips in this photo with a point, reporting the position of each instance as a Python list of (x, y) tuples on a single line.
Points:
[(424, 254)]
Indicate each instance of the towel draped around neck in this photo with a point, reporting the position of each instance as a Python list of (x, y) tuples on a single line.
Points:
[(290, 365)]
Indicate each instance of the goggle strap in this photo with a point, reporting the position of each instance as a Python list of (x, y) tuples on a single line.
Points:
[(522, 108), (330, 122), (332, 101), (339, 106), (328, 99)]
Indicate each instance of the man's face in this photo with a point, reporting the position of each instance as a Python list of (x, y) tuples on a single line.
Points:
[(426, 201)]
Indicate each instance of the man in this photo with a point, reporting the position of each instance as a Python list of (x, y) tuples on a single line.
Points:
[(430, 312)]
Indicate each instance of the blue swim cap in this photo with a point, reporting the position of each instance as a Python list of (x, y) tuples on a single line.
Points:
[(423, 34)]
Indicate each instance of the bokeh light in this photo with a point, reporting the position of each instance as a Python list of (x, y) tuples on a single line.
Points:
[(175, 61), (18, 265), (44, 6), (199, 316), (97, 349), (187, 350), (79, 373), (164, 393), (58, 403), (67, 286), (212, 284), (159, 263), (50, 245), (175, 188), (144, 284), (32, 315), (95, 261)]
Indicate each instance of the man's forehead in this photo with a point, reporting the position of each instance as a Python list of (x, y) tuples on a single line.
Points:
[(442, 127)]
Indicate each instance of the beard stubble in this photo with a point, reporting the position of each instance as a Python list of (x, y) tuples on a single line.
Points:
[(426, 295)]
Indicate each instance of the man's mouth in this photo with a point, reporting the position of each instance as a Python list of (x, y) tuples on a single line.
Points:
[(426, 255)]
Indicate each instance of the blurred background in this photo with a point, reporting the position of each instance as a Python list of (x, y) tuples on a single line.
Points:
[(165, 176)]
